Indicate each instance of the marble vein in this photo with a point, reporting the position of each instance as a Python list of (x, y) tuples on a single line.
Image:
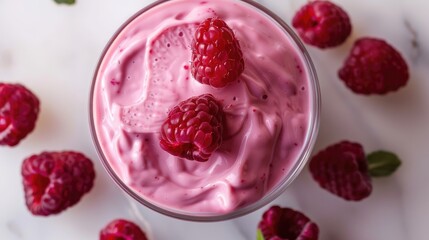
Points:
[(416, 50), (14, 229)]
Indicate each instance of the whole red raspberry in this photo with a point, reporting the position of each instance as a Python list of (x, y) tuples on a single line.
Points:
[(374, 67), (19, 109), (322, 24), (54, 181), (121, 229), (217, 59), (342, 169), (194, 128), (284, 223)]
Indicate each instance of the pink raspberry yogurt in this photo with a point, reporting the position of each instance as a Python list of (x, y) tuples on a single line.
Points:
[(271, 111)]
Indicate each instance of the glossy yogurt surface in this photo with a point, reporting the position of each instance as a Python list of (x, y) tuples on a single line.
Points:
[(146, 70)]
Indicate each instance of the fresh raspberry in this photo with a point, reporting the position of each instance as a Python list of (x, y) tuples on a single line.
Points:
[(19, 109), (374, 67), (284, 223), (54, 181), (121, 229), (322, 24), (342, 169), (217, 59), (194, 128)]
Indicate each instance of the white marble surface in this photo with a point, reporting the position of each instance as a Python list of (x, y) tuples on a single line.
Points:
[(54, 49)]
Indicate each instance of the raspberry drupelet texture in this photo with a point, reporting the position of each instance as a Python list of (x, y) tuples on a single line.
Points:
[(54, 181), (121, 229), (19, 109), (374, 67), (217, 59), (194, 128), (284, 223), (322, 24), (342, 169)]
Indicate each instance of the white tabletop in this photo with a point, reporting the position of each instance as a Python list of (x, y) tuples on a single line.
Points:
[(54, 49)]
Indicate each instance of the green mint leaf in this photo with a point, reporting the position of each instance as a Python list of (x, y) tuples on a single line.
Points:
[(69, 2), (382, 163), (259, 235)]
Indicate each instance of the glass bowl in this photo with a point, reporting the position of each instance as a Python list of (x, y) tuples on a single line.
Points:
[(313, 126)]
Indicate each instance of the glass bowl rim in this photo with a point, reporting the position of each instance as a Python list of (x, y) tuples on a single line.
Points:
[(281, 186)]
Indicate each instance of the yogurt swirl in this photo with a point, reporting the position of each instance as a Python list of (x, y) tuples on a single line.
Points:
[(145, 72)]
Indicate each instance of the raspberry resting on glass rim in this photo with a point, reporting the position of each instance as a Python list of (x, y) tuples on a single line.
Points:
[(217, 59), (54, 181), (194, 128), (19, 109), (284, 223), (374, 67), (322, 24), (121, 229)]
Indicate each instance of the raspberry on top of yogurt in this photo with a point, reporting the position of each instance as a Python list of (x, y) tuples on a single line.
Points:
[(194, 128), (217, 59)]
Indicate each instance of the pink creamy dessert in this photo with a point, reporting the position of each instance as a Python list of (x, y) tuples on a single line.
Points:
[(269, 111)]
